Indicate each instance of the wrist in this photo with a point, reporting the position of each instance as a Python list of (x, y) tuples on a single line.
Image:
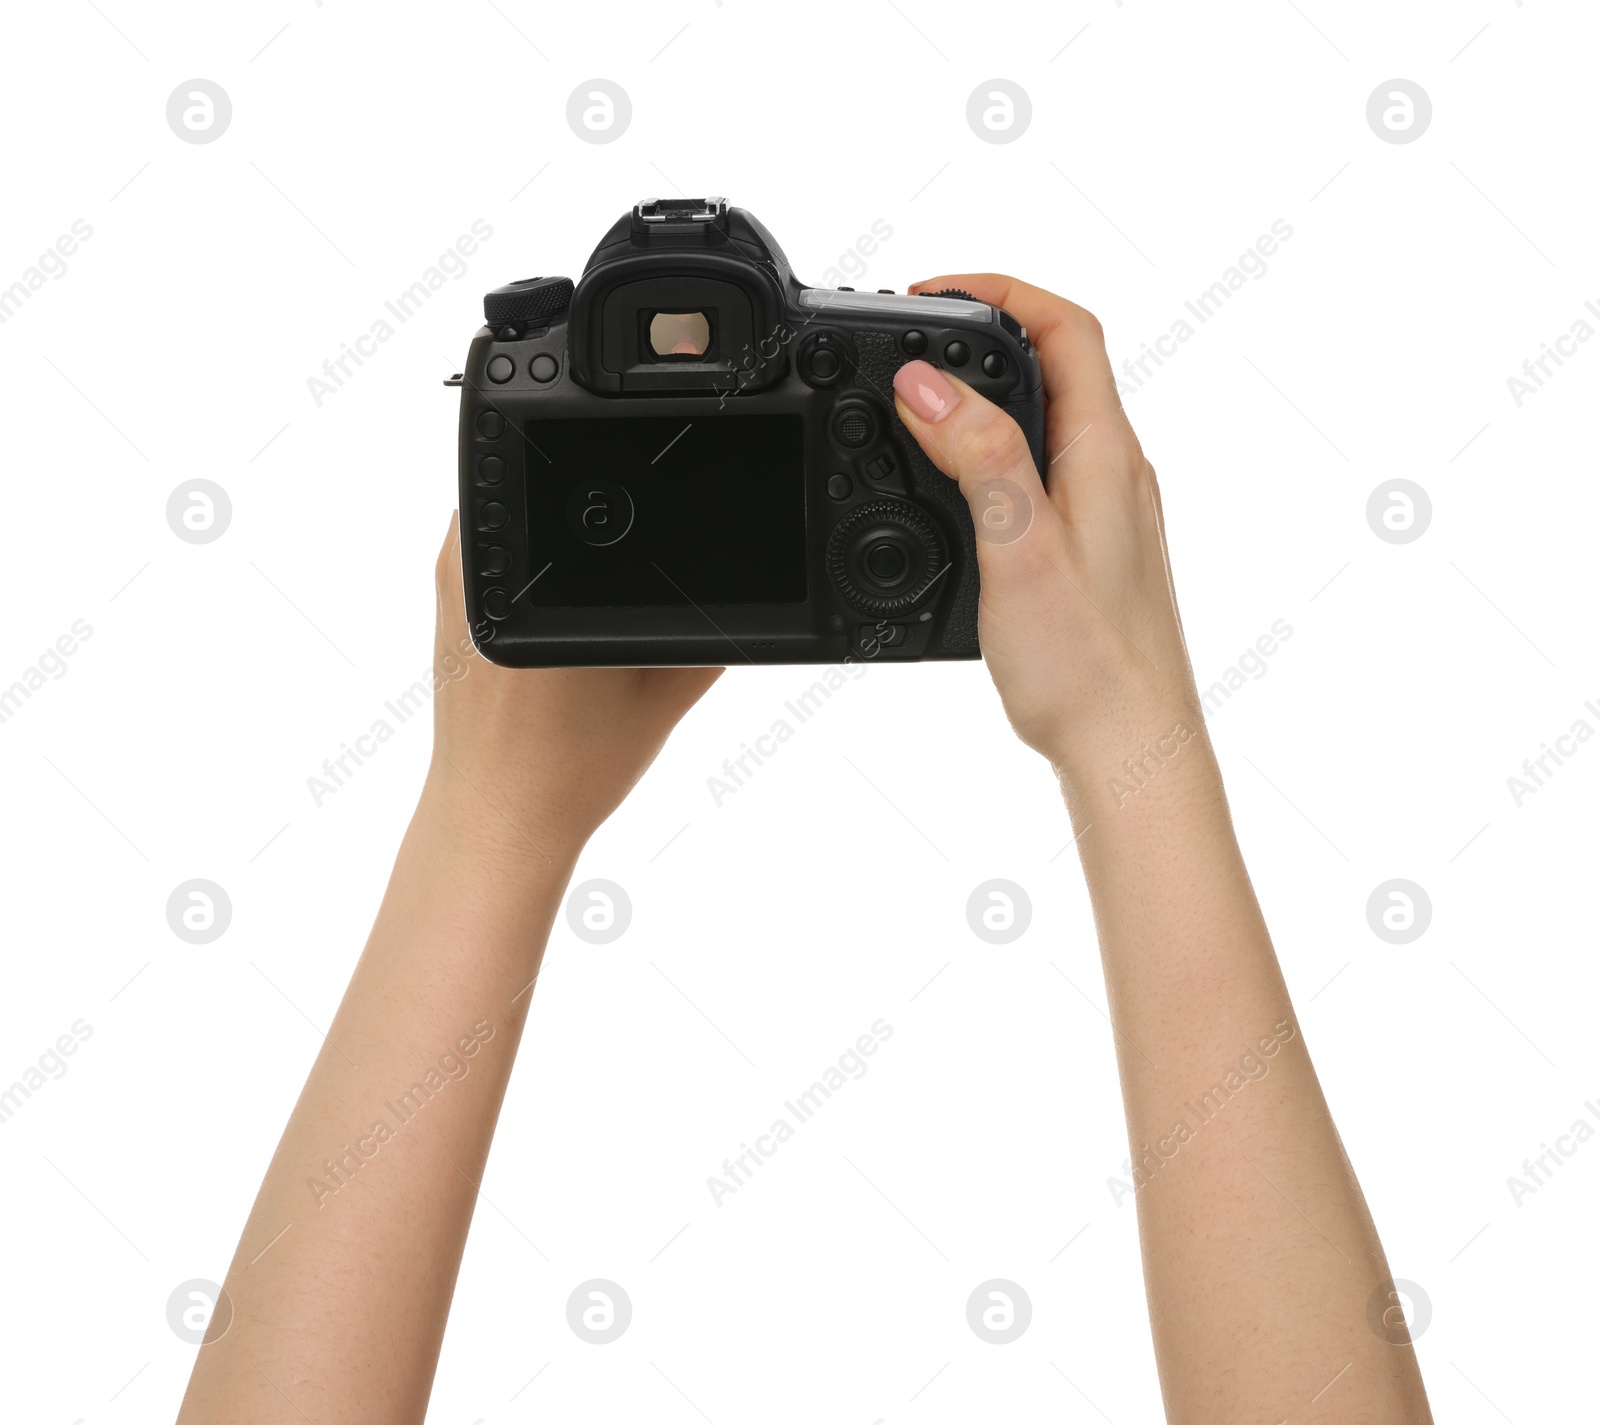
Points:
[(471, 820), (1161, 756)]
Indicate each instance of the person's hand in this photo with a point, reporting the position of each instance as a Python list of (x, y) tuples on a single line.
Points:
[(1077, 617), (536, 758)]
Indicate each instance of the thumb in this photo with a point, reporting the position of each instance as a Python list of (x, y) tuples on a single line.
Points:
[(980, 447)]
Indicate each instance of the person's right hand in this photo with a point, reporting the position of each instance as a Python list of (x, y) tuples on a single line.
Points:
[(1077, 617)]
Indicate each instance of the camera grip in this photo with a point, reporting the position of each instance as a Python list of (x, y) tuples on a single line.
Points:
[(878, 358)]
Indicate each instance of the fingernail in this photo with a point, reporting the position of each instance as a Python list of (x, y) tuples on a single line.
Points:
[(926, 390)]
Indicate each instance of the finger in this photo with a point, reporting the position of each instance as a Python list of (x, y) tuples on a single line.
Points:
[(1070, 341), (978, 445)]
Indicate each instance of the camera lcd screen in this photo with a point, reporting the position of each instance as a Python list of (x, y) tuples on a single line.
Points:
[(666, 510)]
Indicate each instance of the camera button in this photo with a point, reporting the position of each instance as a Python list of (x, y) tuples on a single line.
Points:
[(497, 603), (854, 427), (501, 369), (492, 515), (994, 364), (881, 467), (823, 358), (491, 470), (840, 486), (913, 342), (886, 563), (543, 368), (495, 560), (957, 353), (491, 425), (870, 637)]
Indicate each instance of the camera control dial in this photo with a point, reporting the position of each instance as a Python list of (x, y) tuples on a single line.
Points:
[(533, 299), (885, 555)]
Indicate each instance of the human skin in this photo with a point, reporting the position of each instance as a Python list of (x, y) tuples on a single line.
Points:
[(341, 1317), (1260, 1257)]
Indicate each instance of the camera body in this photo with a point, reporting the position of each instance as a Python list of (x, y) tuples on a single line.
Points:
[(691, 458)]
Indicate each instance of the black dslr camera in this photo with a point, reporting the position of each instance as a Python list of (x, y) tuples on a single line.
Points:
[(690, 458)]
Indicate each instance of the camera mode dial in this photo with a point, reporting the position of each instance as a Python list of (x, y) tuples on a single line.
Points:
[(533, 299), (885, 555)]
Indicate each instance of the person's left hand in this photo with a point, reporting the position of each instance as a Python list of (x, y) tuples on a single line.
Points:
[(534, 759)]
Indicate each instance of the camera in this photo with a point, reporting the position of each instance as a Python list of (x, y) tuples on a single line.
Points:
[(690, 458)]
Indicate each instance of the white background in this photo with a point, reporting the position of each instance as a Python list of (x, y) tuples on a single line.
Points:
[(1165, 139)]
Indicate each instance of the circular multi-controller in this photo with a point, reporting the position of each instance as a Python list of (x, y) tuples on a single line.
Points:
[(885, 555)]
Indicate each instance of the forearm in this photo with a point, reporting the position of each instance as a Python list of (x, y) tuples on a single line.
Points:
[(1260, 1255), (342, 1280)]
